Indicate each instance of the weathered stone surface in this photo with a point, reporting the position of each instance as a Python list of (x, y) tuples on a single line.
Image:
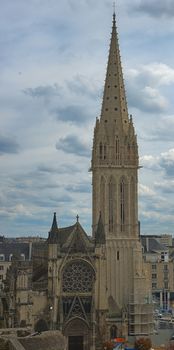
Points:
[(4, 344), (52, 340)]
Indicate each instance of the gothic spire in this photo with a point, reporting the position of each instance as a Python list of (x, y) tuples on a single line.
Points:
[(53, 234), (114, 106), (54, 224)]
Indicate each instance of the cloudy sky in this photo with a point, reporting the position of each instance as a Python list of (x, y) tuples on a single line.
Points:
[(53, 57)]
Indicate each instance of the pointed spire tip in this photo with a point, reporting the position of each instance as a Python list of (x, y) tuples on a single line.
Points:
[(54, 223), (113, 21), (114, 8)]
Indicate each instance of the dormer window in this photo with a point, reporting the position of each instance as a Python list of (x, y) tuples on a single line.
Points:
[(10, 257)]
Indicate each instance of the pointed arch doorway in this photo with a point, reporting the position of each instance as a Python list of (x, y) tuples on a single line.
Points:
[(78, 335), (75, 342)]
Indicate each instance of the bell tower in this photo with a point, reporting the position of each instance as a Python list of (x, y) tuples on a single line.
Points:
[(114, 168)]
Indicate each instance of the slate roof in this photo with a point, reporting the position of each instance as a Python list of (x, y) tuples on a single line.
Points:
[(63, 235), (14, 248), (78, 240), (152, 245)]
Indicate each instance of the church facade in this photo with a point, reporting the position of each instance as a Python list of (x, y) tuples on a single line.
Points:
[(92, 288)]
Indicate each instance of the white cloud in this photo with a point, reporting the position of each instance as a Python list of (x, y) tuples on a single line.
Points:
[(153, 74), (146, 191), (59, 54), (144, 85)]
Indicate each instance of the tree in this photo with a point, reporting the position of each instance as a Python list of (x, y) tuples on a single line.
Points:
[(143, 344), (108, 345)]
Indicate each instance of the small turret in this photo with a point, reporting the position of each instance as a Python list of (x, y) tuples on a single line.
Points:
[(54, 232)]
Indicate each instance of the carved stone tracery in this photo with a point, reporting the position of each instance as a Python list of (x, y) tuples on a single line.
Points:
[(77, 287), (78, 277)]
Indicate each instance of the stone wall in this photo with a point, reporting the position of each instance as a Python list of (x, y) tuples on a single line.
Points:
[(4, 344)]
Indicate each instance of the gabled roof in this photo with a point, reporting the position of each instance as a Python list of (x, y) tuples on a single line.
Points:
[(78, 241), (73, 236)]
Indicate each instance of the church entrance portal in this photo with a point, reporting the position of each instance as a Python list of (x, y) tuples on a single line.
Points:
[(75, 342), (78, 335)]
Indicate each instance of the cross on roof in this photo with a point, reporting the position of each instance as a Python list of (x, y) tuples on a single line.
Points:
[(77, 217)]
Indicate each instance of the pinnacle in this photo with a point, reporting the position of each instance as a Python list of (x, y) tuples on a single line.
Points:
[(54, 224)]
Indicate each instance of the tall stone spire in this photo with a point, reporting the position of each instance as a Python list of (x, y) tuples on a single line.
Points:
[(114, 106), (114, 180), (115, 154), (115, 141)]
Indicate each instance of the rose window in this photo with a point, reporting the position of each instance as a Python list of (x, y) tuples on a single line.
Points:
[(78, 277)]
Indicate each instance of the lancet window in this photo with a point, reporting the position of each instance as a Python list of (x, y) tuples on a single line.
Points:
[(111, 205), (102, 151), (122, 204), (133, 199), (113, 332), (102, 197), (117, 151)]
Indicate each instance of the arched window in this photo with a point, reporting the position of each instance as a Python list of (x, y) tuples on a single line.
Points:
[(104, 151), (122, 204), (41, 326), (111, 205), (133, 200), (22, 280), (101, 151), (117, 150), (113, 332), (102, 197)]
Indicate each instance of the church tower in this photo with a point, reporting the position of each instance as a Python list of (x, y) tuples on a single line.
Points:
[(115, 156), (114, 168)]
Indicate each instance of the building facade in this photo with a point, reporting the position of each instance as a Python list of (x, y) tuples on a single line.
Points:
[(92, 288), (159, 260)]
